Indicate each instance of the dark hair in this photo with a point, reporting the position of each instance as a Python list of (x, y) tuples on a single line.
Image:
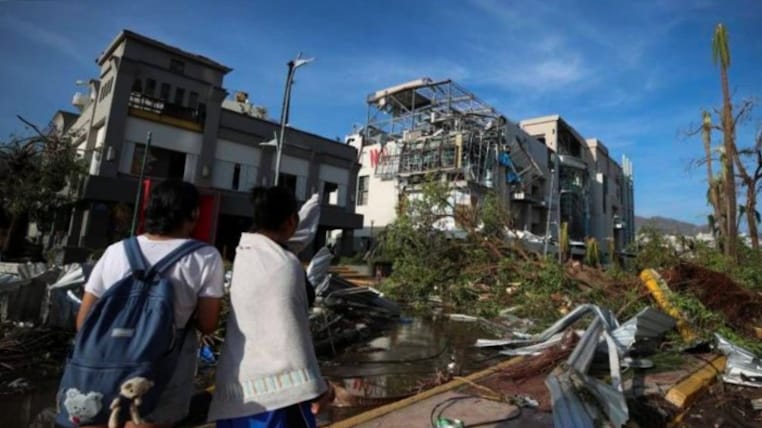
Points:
[(272, 207), (172, 203)]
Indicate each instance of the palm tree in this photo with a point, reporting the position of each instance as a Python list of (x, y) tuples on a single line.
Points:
[(719, 224), (721, 56)]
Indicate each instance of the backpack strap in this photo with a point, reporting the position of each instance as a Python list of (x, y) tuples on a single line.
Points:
[(170, 259), (137, 261)]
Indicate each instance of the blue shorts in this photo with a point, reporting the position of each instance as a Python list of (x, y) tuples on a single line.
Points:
[(294, 416)]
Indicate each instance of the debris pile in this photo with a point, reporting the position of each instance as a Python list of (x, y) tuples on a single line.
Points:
[(27, 354), (741, 307)]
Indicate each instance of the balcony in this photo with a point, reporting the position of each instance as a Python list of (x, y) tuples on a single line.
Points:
[(162, 111)]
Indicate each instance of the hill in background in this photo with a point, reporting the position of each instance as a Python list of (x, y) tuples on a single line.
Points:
[(669, 225)]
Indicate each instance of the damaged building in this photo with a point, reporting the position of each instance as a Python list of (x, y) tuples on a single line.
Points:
[(544, 172)]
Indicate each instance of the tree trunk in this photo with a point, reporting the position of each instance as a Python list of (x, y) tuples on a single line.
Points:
[(731, 239), (714, 196), (751, 215)]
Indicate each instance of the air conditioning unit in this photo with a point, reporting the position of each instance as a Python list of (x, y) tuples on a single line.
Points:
[(79, 100)]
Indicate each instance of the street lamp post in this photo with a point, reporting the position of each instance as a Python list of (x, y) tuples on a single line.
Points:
[(139, 194), (292, 66)]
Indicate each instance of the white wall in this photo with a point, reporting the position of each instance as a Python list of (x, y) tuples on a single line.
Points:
[(98, 154), (298, 167), (339, 176), (166, 137), (227, 154), (381, 207)]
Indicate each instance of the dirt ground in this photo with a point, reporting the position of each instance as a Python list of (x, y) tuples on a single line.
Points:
[(724, 405), (742, 308)]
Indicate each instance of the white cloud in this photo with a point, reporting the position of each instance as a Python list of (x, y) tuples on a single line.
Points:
[(49, 39)]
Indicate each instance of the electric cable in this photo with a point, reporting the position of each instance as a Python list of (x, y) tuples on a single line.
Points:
[(434, 416)]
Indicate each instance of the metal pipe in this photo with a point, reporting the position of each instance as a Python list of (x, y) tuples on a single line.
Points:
[(283, 114)]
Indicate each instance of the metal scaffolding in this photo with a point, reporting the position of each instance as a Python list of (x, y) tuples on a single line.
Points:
[(427, 127)]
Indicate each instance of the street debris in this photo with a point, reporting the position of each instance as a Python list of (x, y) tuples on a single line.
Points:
[(743, 367)]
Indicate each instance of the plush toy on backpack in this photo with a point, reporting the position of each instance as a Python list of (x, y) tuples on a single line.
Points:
[(130, 391)]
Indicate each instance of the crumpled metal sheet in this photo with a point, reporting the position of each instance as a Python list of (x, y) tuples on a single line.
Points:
[(72, 276), (649, 323), (562, 324), (571, 408), (743, 367)]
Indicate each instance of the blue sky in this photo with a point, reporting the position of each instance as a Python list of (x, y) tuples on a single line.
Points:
[(634, 74)]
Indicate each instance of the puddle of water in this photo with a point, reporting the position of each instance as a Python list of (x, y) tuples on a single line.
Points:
[(405, 359), (399, 362)]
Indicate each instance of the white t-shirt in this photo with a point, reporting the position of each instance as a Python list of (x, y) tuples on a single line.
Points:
[(199, 274)]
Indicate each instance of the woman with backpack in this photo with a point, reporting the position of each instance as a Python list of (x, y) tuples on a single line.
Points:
[(193, 273), (268, 374)]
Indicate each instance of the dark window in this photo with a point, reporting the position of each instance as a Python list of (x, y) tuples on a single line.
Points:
[(193, 99), (288, 181), (137, 85), (236, 176), (605, 192), (176, 66), (201, 112), (164, 94), (150, 87), (161, 163), (330, 191), (179, 96), (362, 190), (106, 89)]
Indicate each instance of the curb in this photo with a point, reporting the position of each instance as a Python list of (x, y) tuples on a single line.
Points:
[(391, 407), (684, 392)]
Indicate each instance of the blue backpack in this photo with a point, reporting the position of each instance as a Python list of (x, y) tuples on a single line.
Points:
[(126, 351)]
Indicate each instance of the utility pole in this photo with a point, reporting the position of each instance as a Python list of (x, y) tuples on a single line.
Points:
[(285, 108), (139, 194)]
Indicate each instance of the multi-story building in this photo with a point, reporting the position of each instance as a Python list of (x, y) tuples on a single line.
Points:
[(197, 136), (544, 171), (594, 194), (426, 129)]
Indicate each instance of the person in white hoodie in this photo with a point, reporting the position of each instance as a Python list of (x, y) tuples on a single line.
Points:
[(268, 374)]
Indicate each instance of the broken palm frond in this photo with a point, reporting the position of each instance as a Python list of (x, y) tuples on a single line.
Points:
[(544, 362)]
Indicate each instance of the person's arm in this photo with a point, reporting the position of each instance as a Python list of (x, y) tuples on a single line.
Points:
[(88, 300), (94, 288), (210, 295), (207, 314)]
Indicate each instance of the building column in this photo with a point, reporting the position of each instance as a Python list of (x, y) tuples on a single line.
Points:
[(209, 143), (116, 118)]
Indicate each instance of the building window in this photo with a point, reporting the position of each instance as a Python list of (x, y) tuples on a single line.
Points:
[(193, 99), (605, 192), (236, 176), (150, 88), (288, 181), (137, 86), (164, 93), (330, 193), (176, 66), (106, 89), (161, 163), (362, 190), (179, 96)]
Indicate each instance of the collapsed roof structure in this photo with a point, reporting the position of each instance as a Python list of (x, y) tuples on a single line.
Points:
[(437, 127)]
